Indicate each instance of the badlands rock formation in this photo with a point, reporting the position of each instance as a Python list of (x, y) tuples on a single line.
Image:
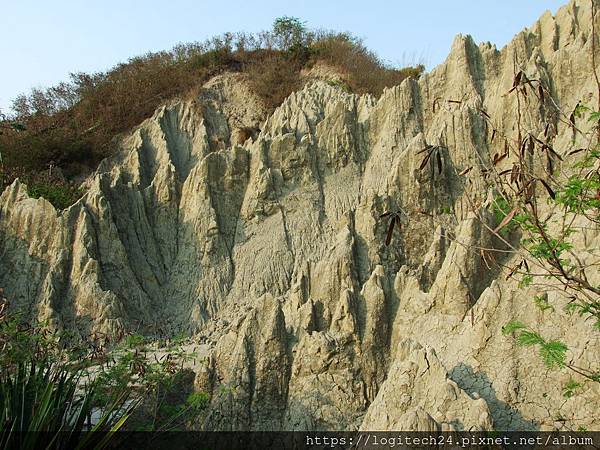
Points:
[(261, 238)]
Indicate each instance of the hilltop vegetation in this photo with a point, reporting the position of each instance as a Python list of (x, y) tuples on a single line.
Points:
[(71, 126)]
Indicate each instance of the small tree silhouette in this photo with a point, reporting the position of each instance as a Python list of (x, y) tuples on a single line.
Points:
[(289, 32)]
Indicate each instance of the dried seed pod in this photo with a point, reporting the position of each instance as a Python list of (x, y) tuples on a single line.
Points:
[(424, 162), (427, 148), (531, 145), (552, 152), (507, 219), (484, 113), (551, 193), (499, 158), (388, 238), (517, 79)]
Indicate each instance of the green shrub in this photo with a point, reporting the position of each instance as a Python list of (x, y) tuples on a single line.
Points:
[(289, 33), (41, 390), (61, 195), (48, 397), (55, 189), (52, 383), (134, 341)]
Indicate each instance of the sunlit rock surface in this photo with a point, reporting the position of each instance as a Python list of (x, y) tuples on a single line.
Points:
[(261, 238)]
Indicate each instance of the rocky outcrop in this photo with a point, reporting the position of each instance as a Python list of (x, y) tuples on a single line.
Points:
[(418, 396), (262, 240)]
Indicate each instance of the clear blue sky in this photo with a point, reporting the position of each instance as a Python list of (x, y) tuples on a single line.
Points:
[(43, 41)]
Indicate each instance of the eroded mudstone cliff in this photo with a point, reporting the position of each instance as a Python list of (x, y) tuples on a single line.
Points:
[(261, 238)]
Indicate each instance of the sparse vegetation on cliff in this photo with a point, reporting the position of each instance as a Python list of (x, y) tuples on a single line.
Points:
[(72, 125)]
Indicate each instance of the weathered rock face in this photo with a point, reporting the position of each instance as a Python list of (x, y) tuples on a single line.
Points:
[(262, 239)]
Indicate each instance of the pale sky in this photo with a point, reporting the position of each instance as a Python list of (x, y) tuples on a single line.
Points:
[(43, 41)]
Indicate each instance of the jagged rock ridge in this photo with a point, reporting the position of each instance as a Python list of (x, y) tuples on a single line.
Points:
[(263, 240)]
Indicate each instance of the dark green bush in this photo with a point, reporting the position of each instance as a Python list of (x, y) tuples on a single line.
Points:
[(61, 195), (55, 189), (46, 401), (52, 383)]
